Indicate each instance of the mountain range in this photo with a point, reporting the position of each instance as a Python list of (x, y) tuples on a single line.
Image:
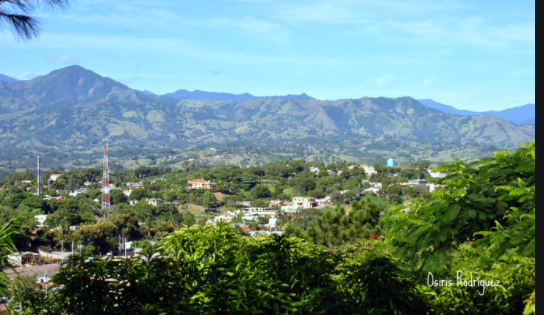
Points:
[(75, 107), (520, 115)]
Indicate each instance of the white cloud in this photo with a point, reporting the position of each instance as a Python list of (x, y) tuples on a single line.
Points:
[(386, 78), (64, 59)]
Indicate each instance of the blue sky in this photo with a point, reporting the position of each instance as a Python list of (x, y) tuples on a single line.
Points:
[(477, 55)]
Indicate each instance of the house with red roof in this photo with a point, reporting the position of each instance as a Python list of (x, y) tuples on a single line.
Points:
[(201, 184)]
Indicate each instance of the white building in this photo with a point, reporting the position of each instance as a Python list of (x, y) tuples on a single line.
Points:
[(272, 222), (314, 169), (78, 191), (369, 170), (323, 201), (40, 218), (260, 211), (305, 202)]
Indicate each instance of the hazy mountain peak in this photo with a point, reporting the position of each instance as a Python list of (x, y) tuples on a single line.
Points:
[(6, 79), (199, 95)]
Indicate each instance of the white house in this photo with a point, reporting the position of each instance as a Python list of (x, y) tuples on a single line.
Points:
[(275, 203), (323, 201), (127, 192), (260, 211), (314, 169), (305, 202), (272, 222), (290, 207), (77, 192), (40, 218), (369, 170)]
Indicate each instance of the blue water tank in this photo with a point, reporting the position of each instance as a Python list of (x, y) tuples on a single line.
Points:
[(390, 162)]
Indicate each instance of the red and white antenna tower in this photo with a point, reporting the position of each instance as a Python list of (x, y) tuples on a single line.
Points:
[(38, 180), (106, 204)]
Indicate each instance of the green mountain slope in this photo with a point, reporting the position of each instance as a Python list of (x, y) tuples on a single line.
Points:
[(76, 107)]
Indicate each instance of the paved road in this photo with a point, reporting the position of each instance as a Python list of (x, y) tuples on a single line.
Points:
[(40, 270)]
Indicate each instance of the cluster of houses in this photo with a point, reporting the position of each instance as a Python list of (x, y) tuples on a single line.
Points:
[(369, 170)]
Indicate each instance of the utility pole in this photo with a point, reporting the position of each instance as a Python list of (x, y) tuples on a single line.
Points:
[(72, 247), (38, 179), (62, 246), (80, 248), (106, 204)]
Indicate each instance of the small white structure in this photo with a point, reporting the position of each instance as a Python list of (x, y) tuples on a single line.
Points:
[(369, 170), (245, 203), (40, 219), (314, 169), (275, 203), (127, 192), (305, 202), (78, 191), (323, 201), (54, 177), (272, 222)]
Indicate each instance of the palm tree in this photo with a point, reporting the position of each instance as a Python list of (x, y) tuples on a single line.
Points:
[(8, 233), (15, 13), (62, 233)]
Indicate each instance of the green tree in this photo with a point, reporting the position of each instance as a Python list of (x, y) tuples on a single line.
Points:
[(22, 288), (8, 233), (72, 183), (476, 200), (307, 184), (261, 191)]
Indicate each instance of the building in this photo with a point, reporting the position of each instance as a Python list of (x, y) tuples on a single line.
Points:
[(201, 184), (272, 222), (154, 201), (353, 166), (369, 170), (314, 169), (289, 207), (391, 162), (245, 203), (127, 192), (260, 211), (135, 185), (56, 198), (305, 202), (54, 177), (40, 219), (275, 203), (224, 217), (77, 192), (323, 201)]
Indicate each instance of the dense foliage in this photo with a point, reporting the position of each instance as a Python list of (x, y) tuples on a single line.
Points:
[(469, 248)]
